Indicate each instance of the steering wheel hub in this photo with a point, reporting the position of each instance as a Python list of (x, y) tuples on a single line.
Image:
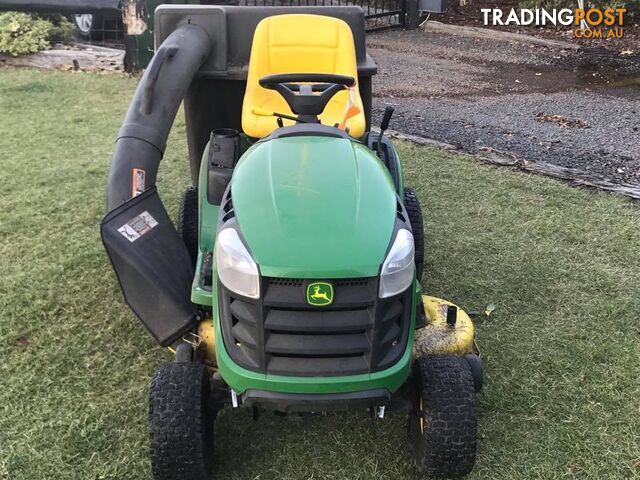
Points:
[(307, 94)]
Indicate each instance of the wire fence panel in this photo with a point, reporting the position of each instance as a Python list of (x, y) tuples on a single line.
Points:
[(379, 14)]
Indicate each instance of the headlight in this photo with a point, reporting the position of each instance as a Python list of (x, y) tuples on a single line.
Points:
[(236, 268), (398, 268)]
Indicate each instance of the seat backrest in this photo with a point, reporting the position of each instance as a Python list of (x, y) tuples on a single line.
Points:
[(300, 43)]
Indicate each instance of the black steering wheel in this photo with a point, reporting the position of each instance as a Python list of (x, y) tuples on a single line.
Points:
[(307, 94)]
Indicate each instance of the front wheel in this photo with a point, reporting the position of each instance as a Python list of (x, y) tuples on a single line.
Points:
[(181, 421), (443, 425), (412, 205), (187, 224)]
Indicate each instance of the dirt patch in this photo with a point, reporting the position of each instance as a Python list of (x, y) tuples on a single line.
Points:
[(88, 58), (423, 64), (514, 98), (23, 341)]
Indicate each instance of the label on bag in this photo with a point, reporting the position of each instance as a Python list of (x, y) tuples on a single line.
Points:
[(138, 226)]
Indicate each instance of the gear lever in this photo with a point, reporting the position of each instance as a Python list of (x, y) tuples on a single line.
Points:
[(386, 118)]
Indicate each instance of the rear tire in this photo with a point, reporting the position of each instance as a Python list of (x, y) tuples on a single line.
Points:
[(412, 205), (443, 426), (181, 421), (187, 224)]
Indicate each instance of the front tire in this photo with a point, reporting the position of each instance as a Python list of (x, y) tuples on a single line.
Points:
[(443, 426), (181, 421), (412, 205), (187, 224)]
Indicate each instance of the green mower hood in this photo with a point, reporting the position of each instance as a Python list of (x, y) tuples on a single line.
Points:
[(314, 207)]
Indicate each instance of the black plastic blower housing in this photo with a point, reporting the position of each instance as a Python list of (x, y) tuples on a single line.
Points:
[(152, 265), (224, 150)]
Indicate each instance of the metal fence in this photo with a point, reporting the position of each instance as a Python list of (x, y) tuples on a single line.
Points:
[(379, 14), (99, 28)]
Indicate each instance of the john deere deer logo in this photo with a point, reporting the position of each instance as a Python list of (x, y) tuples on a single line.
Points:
[(319, 294)]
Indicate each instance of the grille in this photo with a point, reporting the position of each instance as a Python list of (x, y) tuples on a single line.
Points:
[(282, 334), (401, 213), (287, 282), (227, 207)]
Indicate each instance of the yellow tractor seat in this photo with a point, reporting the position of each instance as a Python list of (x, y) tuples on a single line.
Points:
[(300, 43)]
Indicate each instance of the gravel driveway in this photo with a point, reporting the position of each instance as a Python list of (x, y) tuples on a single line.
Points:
[(574, 109)]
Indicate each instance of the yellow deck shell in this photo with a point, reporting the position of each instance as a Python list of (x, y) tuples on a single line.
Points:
[(439, 338)]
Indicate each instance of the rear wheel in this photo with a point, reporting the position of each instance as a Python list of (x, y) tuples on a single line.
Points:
[(443, 426), (187, 224), (412, 205), (181, 422)]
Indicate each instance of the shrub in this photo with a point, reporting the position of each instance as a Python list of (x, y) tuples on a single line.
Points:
[(21, 33), (61, 29)]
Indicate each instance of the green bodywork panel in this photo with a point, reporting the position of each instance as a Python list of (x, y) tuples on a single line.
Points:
[(314, 207), (207, 220), (308, 207), (207, 213), (359, 162), (400, 175)]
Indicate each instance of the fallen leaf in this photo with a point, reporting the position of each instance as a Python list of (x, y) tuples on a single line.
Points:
[(489, 309), (561, 121)]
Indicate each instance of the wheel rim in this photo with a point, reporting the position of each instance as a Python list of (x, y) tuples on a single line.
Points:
[(83, 22)]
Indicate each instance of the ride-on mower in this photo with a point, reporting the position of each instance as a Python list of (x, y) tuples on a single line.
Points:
[(291, 282)]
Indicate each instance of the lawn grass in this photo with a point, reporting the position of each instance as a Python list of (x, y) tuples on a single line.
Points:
[(561, 396)]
